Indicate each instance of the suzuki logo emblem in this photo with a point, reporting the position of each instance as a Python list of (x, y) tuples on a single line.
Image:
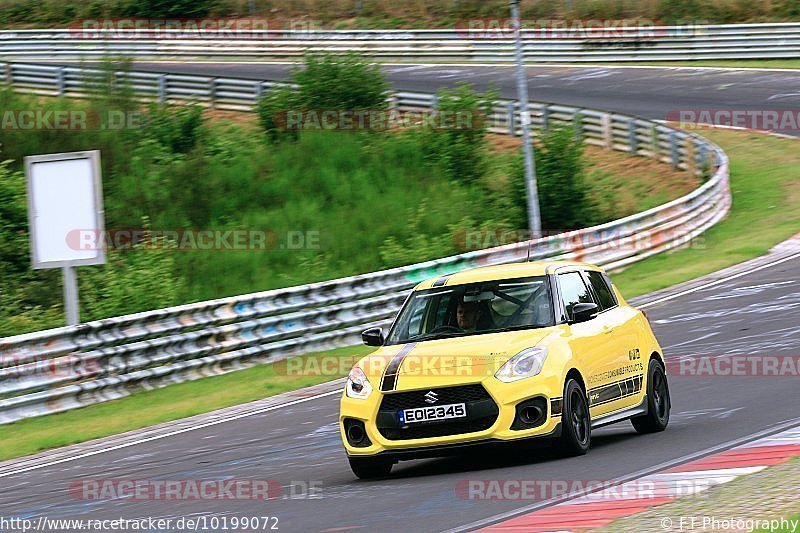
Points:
[(431, 397)]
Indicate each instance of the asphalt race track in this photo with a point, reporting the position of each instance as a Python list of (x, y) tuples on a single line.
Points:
[(299, 445), (757, 314), (654, 93)]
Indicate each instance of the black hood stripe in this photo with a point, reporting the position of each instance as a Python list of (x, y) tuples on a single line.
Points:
[(389, 380)]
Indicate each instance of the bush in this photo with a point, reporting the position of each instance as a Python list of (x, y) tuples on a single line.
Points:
[(348, 81), (461, 153), (170, 8), (13, 223), (326, 81), (177, 128), (269, 110), (136, 279), (564, 200)]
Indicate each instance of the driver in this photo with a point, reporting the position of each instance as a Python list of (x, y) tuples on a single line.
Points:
[(467, 315)]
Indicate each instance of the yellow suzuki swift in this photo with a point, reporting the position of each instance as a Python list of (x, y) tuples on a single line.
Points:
[(502, 353)]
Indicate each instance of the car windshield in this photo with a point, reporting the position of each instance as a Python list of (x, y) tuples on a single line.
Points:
[(474, 309)]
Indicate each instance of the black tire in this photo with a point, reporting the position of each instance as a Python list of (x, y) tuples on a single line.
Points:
[(576, 424), (658, 401), (370, 467)]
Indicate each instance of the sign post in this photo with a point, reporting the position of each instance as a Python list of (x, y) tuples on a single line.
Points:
[(534, 217), (65, 211)]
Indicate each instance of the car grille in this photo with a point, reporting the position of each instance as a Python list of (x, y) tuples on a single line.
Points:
[(475, 397), (411, 399), (424, 431)]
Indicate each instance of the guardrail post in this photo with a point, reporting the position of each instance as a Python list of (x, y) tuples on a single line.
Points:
[(545, 117), (633, 145), (212, 93), (6, 77), (705, 161), (673, 150), (654, 144), (691, 161), (162, 89), (578, 125), (259, 91), (605, 125), (392, 102), (60, 82), (512, 125)]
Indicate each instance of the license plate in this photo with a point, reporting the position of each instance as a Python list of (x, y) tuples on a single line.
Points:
[(439, 412)]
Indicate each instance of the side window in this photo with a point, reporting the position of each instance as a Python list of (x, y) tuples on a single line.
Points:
[(415, 321), (602, 290), (573, 291)]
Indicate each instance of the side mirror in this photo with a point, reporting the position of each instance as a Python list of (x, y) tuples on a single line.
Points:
[(372, 337), (584, 312)]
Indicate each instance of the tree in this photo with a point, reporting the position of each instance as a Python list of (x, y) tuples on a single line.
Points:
[(563, 194)]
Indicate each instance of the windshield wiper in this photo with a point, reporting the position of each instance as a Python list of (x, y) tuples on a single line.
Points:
[(433, 336), (513, 328)]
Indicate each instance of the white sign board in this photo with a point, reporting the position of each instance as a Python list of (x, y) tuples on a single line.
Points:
[(64, 206)]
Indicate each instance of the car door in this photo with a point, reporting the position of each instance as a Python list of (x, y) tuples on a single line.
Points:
[(590, 342), (621, 378)]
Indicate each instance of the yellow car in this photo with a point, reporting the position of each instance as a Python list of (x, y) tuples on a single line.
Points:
[(512, 352)]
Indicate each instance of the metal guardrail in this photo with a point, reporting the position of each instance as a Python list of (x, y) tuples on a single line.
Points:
[(656, 43), (65, 368)]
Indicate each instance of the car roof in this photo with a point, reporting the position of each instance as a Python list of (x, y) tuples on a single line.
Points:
[(506, 271)]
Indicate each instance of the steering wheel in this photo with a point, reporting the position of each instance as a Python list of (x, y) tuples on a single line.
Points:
[(445, 327)]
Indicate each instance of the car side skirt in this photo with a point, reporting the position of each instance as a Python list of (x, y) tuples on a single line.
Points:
[(619, 416)]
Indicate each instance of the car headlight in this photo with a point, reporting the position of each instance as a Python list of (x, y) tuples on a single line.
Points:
[(358, 386), (525, 364)]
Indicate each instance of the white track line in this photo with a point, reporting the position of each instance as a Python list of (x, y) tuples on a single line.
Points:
[(494, 65), (331, 393), (170, 434), (719, 281), (783, 426), (694, 126)]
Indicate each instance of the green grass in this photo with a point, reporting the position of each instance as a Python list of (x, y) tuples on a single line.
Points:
[(765, 180), (759, 497), (789, 529), (330, 205)]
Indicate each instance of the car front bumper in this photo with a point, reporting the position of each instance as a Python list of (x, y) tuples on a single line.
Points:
[(505, 397)]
